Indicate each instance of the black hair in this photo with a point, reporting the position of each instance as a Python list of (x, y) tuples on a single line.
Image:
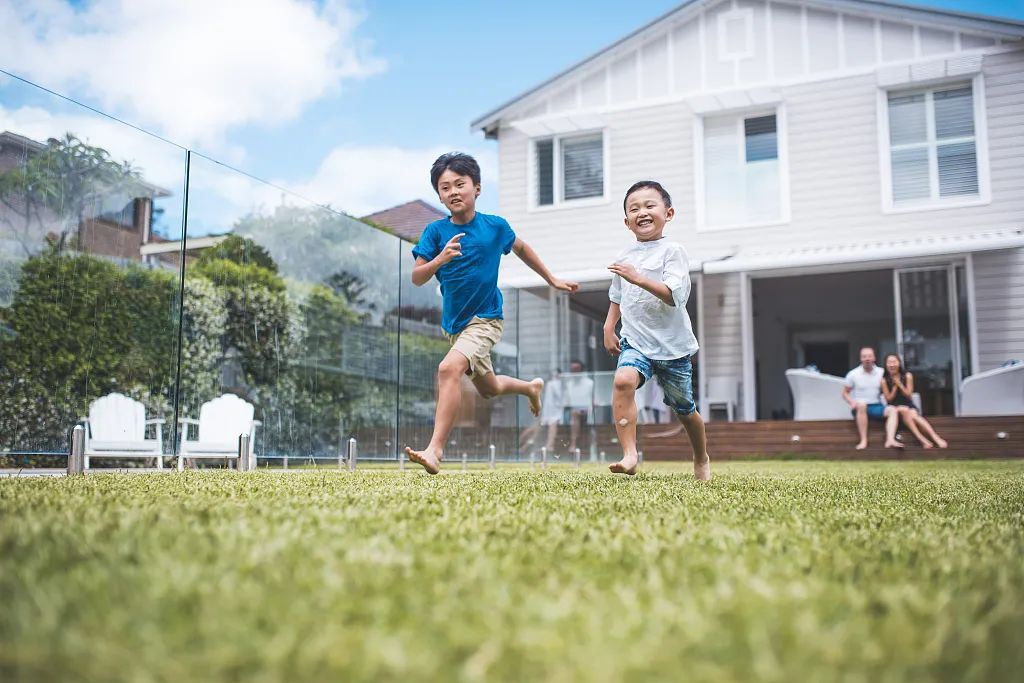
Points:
[(461, 163), (901, 372), (578, 361), (654, 185)]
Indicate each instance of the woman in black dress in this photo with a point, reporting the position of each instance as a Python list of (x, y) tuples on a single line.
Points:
[(898, 389)]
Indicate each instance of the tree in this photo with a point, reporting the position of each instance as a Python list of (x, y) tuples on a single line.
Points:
[(60, 182)]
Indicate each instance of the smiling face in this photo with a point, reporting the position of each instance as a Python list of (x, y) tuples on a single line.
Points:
[(892, 364), (867, 358), (646, 214), (458, 193)]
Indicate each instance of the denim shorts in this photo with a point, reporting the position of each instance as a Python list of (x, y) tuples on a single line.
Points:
[(876, 411), (675, 376)]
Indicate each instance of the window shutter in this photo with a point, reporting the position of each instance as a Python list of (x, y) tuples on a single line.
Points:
[(582, 167), (948, 150), (761, 138), (954, 136), (545, 172)]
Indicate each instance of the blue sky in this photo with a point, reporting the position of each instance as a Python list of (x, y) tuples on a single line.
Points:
[(404, 80)]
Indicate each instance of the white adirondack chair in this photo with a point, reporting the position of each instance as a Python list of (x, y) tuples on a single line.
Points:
[(116, 428), (221, 421)]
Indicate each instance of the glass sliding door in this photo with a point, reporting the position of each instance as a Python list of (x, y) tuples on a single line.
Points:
[(928, 334)]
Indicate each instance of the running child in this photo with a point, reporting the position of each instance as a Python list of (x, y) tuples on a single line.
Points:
[(650, 286), (463, 252)]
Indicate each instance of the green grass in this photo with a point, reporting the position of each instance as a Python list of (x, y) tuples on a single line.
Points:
[(774, 571)]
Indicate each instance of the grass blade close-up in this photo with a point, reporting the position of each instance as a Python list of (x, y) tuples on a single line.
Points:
[(775, 571)]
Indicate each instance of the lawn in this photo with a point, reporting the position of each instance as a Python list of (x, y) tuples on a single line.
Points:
[(780, 571)]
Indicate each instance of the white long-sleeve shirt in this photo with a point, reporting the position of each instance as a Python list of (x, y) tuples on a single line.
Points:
[(652, 327)]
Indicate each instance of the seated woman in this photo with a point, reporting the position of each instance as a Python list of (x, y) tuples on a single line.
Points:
[(898, 389)]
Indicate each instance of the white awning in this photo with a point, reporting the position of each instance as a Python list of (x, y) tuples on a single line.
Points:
[(868, 251)]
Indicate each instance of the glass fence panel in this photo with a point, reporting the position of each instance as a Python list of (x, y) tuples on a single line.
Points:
[(291, 322), (90, 212)]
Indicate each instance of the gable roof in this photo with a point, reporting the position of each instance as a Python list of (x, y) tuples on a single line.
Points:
[(407, 220), (883, 9)]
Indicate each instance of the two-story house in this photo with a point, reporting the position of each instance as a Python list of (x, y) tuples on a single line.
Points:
[(844, 172)]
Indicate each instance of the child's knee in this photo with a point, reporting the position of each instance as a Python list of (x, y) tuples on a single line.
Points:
[(626, 379)]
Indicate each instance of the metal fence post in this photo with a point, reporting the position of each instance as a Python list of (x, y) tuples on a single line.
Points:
[(493, 453), (576, 458), (285, 461), (640, 457), (353, 453), (244, 463), (76, 455), (531, 459), (543, 457), (464, 456)]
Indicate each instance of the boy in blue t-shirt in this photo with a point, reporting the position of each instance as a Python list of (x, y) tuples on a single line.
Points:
[(463, 251)]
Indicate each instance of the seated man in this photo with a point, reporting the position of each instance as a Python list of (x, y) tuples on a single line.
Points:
[(863, 392)]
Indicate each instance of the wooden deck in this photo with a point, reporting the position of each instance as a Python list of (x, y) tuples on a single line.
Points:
[(968, 437)]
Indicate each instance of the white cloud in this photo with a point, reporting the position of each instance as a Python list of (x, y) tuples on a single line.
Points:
[(362, 180), (191, 69)]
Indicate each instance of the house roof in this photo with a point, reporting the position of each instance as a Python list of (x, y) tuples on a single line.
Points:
[(858, 252), (1002, 27), (8, 138), (407, 220)]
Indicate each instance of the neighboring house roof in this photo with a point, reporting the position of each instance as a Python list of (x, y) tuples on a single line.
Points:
[(8, 138), (407, 220), (997, 26)]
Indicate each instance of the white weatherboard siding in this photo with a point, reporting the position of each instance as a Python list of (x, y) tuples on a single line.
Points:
[(835, 184), (824, 72), (999, 290), (722, 353)]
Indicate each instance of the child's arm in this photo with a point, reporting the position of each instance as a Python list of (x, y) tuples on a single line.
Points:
[(528, 256), (611, 340), (424, 269), (631, 274)]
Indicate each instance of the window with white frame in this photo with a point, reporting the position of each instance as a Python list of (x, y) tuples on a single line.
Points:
[(933, 153), (742, 171), (568, 168)]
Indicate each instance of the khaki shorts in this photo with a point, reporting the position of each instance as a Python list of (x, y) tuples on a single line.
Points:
[(475, 343)]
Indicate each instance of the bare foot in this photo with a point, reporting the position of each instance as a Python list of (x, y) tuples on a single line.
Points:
[(862, 445), (941, 442), (625, 466), (893, 444), (925, 443), (702, 470), (431, 462), (536, 391)]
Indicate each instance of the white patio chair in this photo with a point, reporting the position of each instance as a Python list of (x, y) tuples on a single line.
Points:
[(722, 391), (116, 428), (817, 396), (994, 392), (221, 421)]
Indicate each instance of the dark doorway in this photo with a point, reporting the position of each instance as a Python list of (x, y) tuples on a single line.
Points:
[(829, 357)]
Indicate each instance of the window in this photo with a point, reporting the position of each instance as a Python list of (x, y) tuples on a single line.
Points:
[(742, 173), (568, 168), (933, 151)]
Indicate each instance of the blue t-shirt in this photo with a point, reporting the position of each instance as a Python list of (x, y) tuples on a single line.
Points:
[(469, 283)]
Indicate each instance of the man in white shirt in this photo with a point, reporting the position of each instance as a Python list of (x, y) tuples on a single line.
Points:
[(863, 391)]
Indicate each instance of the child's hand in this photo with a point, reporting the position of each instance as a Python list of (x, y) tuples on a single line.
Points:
[(452, 250), (626, 271), (611, 343), (565, 285)]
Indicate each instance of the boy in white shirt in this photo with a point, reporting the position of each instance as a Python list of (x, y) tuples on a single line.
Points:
[(650, 286)]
